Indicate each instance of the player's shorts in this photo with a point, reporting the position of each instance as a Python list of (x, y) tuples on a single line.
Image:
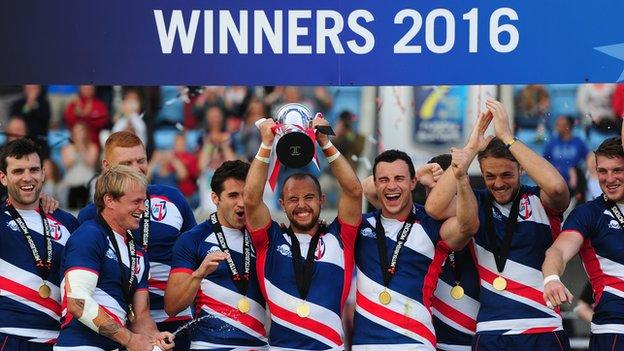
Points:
[(553, 341)]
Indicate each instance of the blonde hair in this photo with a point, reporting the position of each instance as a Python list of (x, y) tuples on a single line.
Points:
[(114, 182)]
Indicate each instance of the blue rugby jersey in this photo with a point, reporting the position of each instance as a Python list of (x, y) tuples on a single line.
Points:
[(331, 280), (90, 249), (455, 321), (520, 308), (602, 254), (170, 215), (406, 322), (25, 313), (222, 324)]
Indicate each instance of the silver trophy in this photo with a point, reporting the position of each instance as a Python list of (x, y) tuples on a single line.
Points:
[(295, 147)]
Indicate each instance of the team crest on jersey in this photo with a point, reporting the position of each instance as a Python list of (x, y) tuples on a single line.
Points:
[(367, 232), (159, 210), (320, 249), (111, 254), (525, 210), (284, 249), (614, 224), (13, 226), (214, 249), (55, 230)]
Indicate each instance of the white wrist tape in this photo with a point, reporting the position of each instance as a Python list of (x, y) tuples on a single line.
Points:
[(327, 146), (263, 159), (333, 157), (551, 278), (82, 284), (259, 122), (266, 147)]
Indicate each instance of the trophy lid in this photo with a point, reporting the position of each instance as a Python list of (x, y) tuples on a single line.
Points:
[(294, 114)]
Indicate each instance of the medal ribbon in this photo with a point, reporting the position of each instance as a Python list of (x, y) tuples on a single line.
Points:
[(241, 282), (43, 267), (146, 223), (127, 285), (388, 269), (456, 267), (615, 210), (501, 252), (303, 273)]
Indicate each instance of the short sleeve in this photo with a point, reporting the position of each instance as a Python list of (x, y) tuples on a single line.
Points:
[(87, 213), (184, 257), (85, 250), (579, 221), (188, 217), (262, 237)]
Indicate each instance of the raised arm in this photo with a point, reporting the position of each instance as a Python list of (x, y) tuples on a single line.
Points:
[(567, 245), (554, 190), (350, 201), (457, 231), (439, 203), (256, 211)]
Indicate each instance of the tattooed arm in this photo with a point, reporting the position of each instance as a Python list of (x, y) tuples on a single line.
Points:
[(79, 286)]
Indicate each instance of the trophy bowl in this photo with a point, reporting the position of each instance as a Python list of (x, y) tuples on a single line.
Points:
[(295, 148)]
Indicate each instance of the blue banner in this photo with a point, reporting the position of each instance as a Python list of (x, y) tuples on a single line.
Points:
[(307, 42)]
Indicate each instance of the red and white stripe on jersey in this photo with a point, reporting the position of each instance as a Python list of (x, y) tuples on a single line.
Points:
[(222, 302), (322, 324), (42, 335), (161, 205), (524, 285), (459, 314), (23, 286), (202, 345), (605, 275), (402, 315), (157, 283)]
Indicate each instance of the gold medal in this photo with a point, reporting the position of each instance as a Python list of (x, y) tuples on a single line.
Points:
[(303, 310), (457, 292), (384, 297), (131, 316), (243, 305), (44, 291), (500, 283)]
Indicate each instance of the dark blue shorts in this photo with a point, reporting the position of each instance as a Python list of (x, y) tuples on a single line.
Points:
[(183, 339), (554, 341), (606, 342), (16, 343)]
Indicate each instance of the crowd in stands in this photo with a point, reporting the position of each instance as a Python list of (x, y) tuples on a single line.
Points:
[(191, 131)]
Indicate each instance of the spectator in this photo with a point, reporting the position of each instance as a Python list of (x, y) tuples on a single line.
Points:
[(59, 97), (216, 149), (129, 117), (617, 101), (209, 97), (34, 108), (250, 134), (236, 100), (532, 106), (79, 160), (16, 128), (88, 109), (8, 95), (347, 140), (53, 183), (281, 96), (594, 103), (566, 152), (176, 168), (188, 183)]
